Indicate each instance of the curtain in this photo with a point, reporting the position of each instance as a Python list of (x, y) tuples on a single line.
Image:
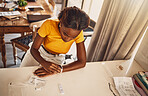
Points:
[(119, 28), (142, 54)]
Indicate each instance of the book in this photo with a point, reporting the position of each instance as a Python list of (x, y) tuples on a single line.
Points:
[(143, 76), (146, 73), (138, 87), (140, 83)]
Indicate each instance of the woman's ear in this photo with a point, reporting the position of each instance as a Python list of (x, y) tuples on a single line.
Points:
[(60, 24)]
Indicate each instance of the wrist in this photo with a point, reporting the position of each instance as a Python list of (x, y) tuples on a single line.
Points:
[(61, 68)]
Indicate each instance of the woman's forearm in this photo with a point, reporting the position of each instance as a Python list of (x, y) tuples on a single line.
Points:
[(74, 65)]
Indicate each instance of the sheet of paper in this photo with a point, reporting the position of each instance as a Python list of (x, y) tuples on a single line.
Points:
[(11, 0), (10, 5), (125, 86), (35, 7), (10, 13), (37, 82)]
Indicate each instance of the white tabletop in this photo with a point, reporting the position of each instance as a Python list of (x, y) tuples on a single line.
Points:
[(89, 81)]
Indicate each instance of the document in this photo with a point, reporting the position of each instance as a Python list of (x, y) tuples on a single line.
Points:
[(10, 13), (11, 5), (125, 86), (37, 82), (8, 5)]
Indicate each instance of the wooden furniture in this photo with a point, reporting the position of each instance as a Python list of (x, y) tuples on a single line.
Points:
[(2, 1), (6, 27), (89, 81), (22, 43), (19, 25)]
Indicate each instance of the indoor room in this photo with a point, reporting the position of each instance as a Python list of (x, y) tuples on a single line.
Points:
[(73, 48)]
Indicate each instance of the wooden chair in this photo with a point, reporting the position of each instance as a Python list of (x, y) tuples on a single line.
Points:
[(22, 43)]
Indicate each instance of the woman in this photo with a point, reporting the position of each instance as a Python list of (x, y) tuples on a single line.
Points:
[(54, 38)]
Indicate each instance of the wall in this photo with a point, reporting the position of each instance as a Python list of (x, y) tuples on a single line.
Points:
[(93, 8), (76, 3)]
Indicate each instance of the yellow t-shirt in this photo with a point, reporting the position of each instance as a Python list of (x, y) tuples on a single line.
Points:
[(53, 40)]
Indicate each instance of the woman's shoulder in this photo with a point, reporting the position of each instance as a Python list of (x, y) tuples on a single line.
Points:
[(51, 21), (47, 26)]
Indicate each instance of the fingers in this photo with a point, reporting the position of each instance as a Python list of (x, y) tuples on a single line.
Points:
[(52, 67), (56, 68), (41, 72), (43, 75)]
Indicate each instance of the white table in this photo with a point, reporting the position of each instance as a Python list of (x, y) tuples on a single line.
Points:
[(89, 81)]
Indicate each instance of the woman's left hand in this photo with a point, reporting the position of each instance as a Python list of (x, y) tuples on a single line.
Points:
[(41, 72)]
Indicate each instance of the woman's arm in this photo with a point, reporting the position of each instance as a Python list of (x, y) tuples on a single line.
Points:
[(48, 66), (81, 56), (80, 63), (34, 49)]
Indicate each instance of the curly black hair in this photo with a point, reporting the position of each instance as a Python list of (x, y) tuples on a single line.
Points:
[(73, 17)]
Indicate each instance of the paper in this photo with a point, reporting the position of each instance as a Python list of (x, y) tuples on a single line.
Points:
[(18, 89), (10, 13), (37, 82), (125, 86), (10, 5), (25, 88), (61, 88), (35, 7)]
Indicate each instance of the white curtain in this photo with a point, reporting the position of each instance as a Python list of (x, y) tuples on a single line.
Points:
[(119, 28), (142, 54)]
